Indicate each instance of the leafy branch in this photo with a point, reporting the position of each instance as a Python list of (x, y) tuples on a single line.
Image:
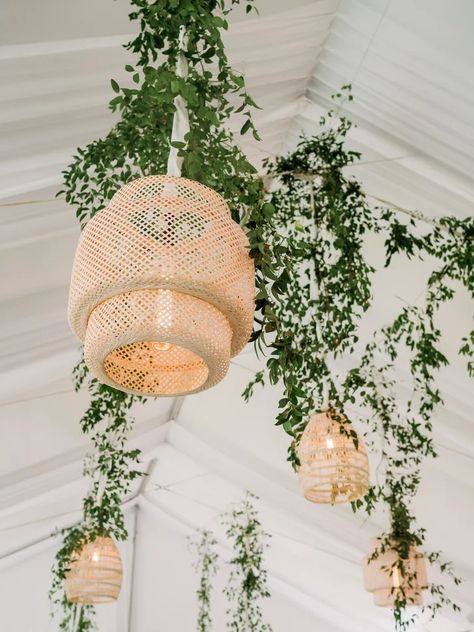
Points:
[(138, 145), (314, 286), (247, 584), (206, 566)]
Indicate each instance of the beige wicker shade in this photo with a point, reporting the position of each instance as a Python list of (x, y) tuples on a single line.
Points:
[(385, 581), (162, 290), (95, 573), (331, 469)]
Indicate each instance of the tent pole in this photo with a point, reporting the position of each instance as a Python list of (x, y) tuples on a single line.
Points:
[(132, 571)]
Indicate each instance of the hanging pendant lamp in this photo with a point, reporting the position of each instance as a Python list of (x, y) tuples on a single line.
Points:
[(382, 576), (332, 470), (162, 289), (95, 573)]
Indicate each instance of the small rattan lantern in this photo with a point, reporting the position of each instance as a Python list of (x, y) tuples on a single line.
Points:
[(162, 290), (332, 470), (382, 576), (95, 574)]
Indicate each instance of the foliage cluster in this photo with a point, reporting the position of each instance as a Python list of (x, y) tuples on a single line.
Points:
[(246, 587), (111, 469), (138, 145), (307, 235), (206, 566), (315, 289)]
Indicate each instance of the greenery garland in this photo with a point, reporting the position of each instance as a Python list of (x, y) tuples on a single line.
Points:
[(206, 567), (138, 145), (111, 468), (315, 285), (306, 238), (247, 585), (247, 582)]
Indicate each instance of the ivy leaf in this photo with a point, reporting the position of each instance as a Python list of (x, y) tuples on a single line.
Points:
[(246, 126)]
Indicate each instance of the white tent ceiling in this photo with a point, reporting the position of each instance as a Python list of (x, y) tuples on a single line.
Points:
[(410, 63)]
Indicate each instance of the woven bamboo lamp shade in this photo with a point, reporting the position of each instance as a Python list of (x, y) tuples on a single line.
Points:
[(162, 289), (384, 580), (331, 469), (95, 573)]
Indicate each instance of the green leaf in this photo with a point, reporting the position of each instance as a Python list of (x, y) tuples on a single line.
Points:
[(246, 126)]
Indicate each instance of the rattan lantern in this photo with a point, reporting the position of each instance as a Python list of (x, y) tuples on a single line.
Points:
[(382, 576), (332, 470), (162, 290), (95, 573)]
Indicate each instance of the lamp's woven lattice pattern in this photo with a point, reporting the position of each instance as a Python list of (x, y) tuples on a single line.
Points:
[(95, 573), (383, 578), (162, 290), (183, 342), (331, 469)]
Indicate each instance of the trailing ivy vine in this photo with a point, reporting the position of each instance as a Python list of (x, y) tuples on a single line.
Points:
[(315, 285), (111, 469), (206, 567), (138, 145), (247, 584)]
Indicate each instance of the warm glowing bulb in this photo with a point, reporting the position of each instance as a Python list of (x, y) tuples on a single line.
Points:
[(162, 346), (95, 556), (330, 443), (396, 578)]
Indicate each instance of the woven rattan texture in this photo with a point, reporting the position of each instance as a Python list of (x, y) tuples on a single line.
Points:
[(383, 579), (169, 233), (332, 470), (158, 342), (95, 574)]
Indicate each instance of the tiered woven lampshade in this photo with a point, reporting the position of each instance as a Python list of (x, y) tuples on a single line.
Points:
[(331, 469), (384, 580), (95, 573), (162, 290)]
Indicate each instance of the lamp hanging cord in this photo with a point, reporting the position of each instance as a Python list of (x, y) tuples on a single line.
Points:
[(181, 117), (77, 617)]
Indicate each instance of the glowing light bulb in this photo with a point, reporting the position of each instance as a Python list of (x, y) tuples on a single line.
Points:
[(95, 556), (162, 346), (329, 443), (396, 578)]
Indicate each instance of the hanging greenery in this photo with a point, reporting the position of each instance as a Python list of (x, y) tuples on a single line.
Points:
[(314, 282), (247, 585), (111, 468), (315, 285), (138, 145), (206, 567)]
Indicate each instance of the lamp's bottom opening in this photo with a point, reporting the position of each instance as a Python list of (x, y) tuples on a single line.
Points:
[(156, 368)]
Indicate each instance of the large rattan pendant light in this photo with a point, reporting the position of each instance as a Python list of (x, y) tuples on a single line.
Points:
[(95, 573), (383, 578), (162, 290), (332, 470)]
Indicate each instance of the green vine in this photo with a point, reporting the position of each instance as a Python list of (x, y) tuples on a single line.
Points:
[(206, 567), (111, 468), (314, 288), (138, 145), (313, 281), (247, 585)]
